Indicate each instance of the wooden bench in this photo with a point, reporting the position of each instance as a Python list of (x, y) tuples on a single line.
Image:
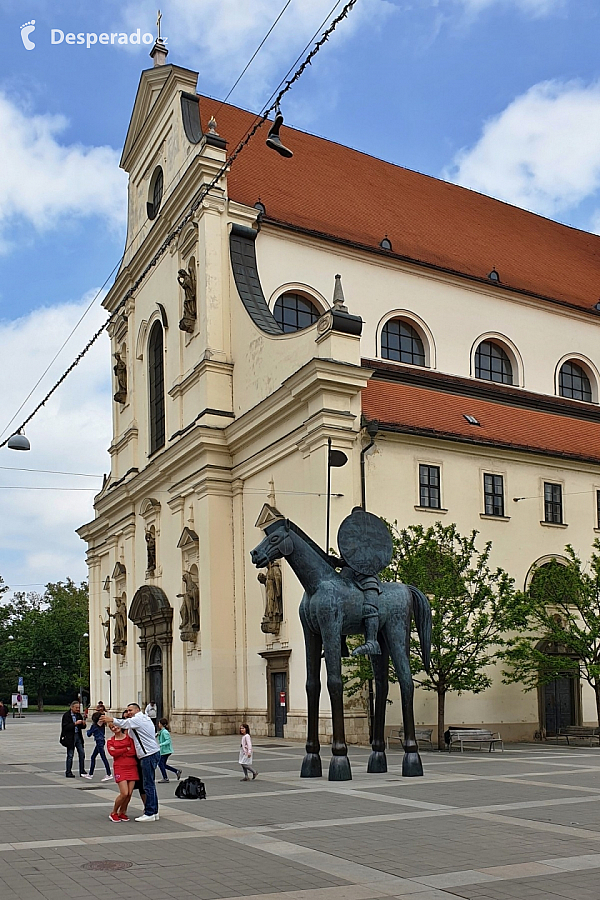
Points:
[(479, 736), (423, 736), (579, 733)]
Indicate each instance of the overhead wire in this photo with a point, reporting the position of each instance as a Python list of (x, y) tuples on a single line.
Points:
[(202, 193)]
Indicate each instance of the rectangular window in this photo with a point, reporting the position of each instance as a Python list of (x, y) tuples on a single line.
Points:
[(429, 486), (493, 494), (553, 508)]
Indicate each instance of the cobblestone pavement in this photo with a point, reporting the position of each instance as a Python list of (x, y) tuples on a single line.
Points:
[(520, 824)]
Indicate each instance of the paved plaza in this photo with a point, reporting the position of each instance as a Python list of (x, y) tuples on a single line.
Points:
[(520, 824)]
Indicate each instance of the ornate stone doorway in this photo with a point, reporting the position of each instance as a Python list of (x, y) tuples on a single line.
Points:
[(153, 614)]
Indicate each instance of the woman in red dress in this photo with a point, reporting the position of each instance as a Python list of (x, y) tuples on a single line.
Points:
[(125, 768)]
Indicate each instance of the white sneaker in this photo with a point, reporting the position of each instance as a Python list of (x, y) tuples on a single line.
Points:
[(89, 777), (107, 778), (146, 818)]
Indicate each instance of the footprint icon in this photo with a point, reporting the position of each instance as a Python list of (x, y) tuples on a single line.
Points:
[(26, 30)]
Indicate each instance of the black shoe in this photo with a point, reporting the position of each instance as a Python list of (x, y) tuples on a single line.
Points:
[(178, 774), (69, 775)]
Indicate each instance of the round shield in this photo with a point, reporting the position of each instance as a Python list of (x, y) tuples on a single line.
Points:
[(365, 542)]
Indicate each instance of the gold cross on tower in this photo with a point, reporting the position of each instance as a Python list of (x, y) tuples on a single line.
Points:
[(158, 18)]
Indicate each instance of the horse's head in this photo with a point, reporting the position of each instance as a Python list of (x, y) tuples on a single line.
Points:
[(276, 544)]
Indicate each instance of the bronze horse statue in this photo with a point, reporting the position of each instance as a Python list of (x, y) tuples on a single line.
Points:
[(331, 608)]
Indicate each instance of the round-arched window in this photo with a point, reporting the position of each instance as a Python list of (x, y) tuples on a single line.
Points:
[(155, 193), (402, 343), (574, 383), (293, 312), (492, 363)]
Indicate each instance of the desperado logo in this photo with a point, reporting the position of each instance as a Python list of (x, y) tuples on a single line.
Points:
[(90, 38)]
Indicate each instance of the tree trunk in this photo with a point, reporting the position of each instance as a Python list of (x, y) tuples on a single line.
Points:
[(40, 702), (597, 693), (441, 695)]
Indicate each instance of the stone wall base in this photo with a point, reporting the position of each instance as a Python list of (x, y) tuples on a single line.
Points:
[(211, 723)]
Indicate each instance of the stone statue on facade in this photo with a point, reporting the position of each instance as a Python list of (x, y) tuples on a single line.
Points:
[(273, 616), (190, 609), (151, 550), (120, 370), (106, 626), (120, 636), (187, 280)]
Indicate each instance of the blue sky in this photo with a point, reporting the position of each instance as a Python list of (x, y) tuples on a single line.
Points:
[(499, 95)]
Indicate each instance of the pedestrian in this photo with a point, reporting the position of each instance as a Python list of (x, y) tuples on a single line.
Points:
[(246, 753), (141, 729), (97, 732), (71, 737), (100, 707), (122, 750), (152, 711), (166, 748), (3, 714)]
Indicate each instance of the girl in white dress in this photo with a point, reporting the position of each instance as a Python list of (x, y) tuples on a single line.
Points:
[(246, 753)]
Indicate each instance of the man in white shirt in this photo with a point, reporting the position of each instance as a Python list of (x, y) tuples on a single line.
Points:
[(141, 729)]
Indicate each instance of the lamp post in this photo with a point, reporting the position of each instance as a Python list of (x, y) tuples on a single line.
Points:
[(84, 635)]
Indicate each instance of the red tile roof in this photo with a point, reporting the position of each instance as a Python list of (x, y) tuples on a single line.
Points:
[(439, 414), (338, 192)]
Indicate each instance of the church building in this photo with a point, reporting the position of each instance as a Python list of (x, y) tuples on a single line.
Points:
[(447, 343)]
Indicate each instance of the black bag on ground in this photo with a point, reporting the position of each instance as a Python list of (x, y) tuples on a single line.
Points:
[(191, 788)]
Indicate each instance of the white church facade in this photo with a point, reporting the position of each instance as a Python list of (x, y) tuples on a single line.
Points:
[(466, 353)]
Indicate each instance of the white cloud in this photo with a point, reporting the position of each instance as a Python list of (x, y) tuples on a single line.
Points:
[(37, 527), (225, 33), (43, 180), (542, 152)]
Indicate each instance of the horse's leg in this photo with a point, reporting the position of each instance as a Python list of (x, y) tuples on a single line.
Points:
[(339, 766), (398, 638), (311, 764), (377, 759)]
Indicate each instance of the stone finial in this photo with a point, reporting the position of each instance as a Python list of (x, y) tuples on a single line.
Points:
[(338, 296), (212, 126), (159, 52)]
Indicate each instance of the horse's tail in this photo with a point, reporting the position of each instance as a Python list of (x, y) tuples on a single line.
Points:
[(422, 616)]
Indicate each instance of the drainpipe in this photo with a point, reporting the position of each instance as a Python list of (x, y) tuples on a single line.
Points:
[(372, 429)]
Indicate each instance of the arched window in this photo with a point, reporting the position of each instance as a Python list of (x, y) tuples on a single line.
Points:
[(574, 383), (156, 381), (295, 311), (492, 363), (402, 343), (155, 193)]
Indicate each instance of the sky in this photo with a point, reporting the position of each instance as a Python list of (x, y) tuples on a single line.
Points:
[(501, 96)]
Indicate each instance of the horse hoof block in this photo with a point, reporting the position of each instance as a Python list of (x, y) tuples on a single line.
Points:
[(339, 769), (377, 762), (311, 766), (412, 766)]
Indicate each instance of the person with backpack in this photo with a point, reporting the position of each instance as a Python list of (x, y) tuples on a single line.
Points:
[(166, 748), (97, 732), (245, 759), (71, 737)]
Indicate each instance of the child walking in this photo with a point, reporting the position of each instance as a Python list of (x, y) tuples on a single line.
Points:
[(246, 753), (97, 732), (166, 748)]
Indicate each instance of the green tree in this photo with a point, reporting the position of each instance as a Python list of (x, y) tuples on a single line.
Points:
[(42, 639), (560, 631), (473, 606)]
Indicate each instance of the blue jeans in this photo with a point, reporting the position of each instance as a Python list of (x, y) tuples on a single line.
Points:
[(2, 723), (78, 745), (162, 765), (148, 766), (99, 751)]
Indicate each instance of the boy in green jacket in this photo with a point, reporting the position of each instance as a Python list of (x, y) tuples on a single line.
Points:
[(166, 748)]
